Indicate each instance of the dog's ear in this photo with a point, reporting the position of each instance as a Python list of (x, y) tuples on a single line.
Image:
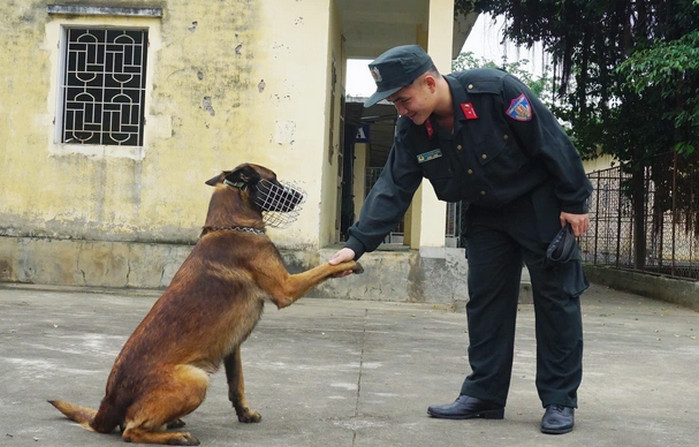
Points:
[(243, 174), (213, 181)]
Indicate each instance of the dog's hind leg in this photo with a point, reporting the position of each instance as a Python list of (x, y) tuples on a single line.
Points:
[(236, 387), (177, 423), (178, 393), (144, 436)]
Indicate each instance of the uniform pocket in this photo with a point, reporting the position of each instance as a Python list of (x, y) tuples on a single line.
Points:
[(434, 165), (500, 160), (437, 169)]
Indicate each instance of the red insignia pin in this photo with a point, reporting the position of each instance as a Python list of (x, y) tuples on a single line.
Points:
[(469, 111), (428, 126)]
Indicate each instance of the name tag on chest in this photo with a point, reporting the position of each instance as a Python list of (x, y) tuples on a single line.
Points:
[(427, 156)]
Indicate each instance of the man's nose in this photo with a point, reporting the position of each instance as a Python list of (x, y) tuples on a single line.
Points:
[(400, 109)]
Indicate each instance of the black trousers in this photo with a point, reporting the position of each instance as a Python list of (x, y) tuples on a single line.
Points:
[(498, 242)]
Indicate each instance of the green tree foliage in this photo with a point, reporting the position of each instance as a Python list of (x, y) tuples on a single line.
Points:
[(588, 40), (626, 78), (666, 76)]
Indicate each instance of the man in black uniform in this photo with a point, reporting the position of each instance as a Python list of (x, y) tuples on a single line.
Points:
[(483, 137)]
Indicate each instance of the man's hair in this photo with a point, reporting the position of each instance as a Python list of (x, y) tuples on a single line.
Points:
[(432, 71)]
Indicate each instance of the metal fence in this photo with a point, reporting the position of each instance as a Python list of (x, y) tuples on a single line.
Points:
[(670, 227)]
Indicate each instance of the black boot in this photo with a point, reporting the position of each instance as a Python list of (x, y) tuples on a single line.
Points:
[(467, 407), (558, 419)]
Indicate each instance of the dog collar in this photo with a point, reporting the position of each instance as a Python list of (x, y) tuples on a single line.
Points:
[(253, 230)]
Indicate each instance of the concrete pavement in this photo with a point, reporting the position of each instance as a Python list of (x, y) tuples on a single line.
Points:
[(328, 372)]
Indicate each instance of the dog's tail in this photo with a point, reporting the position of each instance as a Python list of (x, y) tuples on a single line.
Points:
[(82, 415)]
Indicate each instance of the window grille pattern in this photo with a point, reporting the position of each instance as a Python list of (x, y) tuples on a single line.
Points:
[(104, 86)]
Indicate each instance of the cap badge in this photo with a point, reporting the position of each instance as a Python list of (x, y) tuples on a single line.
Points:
[(376, 74)]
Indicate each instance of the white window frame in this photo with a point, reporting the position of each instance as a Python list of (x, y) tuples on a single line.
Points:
[(105, 134), (63, 17)]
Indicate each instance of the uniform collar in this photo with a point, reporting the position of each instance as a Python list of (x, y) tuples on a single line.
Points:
[(458, 97)]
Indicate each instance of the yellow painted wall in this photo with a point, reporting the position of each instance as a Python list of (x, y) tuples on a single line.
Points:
[(227, 83), (294, 108), (600, 163), (329, 210)]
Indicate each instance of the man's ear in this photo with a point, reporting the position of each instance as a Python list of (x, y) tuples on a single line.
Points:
[(430, 82)]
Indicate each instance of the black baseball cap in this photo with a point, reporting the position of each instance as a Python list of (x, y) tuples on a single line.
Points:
[(397, 68)]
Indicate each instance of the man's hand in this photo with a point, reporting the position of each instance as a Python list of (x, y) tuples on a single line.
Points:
[(342, 255), (578, 222)]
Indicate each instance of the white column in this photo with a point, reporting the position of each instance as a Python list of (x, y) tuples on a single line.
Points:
[(439, 44)]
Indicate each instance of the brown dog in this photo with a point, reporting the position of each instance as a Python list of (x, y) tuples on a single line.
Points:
[(211, 306)]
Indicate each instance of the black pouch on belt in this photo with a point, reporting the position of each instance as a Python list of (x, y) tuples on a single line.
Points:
[(563, 248)]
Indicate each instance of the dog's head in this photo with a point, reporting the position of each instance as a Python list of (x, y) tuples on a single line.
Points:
[(266, 192)]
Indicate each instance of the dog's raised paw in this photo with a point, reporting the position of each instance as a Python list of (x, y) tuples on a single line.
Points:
[(358, 268)]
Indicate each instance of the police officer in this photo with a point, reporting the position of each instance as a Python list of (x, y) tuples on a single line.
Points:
[(482, 137)]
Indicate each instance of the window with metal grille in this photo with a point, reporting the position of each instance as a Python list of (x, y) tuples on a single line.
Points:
[(103, 88)]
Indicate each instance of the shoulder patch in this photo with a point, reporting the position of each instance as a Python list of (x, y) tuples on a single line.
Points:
[(520, 109)]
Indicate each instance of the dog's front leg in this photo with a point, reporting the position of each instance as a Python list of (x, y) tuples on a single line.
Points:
[(236, 387), (290, 288)]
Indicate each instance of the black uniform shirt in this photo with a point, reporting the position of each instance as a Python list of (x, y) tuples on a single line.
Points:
[(505, 143)]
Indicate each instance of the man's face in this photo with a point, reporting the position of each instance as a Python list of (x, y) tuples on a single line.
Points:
[(414, 101)]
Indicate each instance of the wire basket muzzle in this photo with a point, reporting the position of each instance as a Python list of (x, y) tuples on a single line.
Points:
[(280, 202)]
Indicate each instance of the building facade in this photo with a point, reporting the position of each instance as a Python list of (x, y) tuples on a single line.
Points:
[(114, 113)]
